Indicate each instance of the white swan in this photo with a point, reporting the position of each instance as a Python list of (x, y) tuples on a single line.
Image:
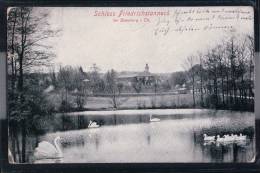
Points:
[(208, 138), (46, 150), (219, 139), (93, 124), (241, 137), (253, 159), (229, 138), (154, 119), (10, 156), (226, 135)]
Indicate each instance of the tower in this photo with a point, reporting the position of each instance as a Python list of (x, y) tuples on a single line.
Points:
[(146, 68)]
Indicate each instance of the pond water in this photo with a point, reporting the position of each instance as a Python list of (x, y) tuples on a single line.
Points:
[(129, 136)]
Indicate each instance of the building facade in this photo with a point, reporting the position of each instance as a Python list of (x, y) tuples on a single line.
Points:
[(146, 78)]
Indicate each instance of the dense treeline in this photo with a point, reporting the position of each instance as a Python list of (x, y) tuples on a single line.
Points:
[(29, 111), (223, 77), (73, 81)]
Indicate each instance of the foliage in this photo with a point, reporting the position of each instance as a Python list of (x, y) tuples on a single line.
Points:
[(137, 85), (223, 75), (71, 80), (111, 86), (97, 84), (178, 78), (27, 51)]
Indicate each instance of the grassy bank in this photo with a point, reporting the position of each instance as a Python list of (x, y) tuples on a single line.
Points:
[(151, 101), (129, 102)]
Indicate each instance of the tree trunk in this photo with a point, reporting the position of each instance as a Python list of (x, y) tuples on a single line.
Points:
[(12, 52), (13, 145), (250, 76), (23, 141), (20, 87), (201, 93), (215, 92), (193, 90), (18, 148), (243, 98), (222, 87), (201, 84), (215, 86), (114, 101)]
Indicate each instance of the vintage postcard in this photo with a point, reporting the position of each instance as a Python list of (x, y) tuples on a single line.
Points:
[(131, 84)]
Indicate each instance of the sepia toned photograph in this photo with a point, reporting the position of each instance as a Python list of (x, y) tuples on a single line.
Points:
[(131, 84)]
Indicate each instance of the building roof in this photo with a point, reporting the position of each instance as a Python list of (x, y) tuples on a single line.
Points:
[(145, 73), (127, 75), (132, 75)]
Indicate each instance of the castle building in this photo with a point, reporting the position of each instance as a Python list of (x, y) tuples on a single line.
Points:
[(145, 77)]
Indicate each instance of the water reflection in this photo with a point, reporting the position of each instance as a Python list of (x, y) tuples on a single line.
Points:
[(124, 138), (49, 161), (229, 152)]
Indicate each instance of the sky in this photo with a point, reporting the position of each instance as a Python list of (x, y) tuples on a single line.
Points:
[(90, 35)]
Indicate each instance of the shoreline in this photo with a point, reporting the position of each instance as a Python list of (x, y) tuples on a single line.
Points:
[(156, 111)]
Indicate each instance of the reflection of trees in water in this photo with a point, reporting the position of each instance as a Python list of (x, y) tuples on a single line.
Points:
[(214, 152), (48, 161), (133, 119), (97, 141), (148, 139), (149, 132), (81, 140), (245, 152), (140, 118), (94, 137), (81, 122), (68, 122), (231, 152), (72, 140), (115, 122)]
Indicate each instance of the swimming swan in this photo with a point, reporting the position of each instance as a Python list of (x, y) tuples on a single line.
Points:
[(208, 138), (93, 124), (229, 138), (235, 137), (46, 150), (219, 139), (154, 119), (240, 137)]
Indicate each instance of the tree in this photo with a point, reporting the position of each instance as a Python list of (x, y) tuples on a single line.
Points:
[(201, 74), (120, 87), (96, 82), (27, 30), (212, 69), (53, 76), (227, 70), (111, 86), (178, 78), (220, 54), (251, 50), (79, 86), (137, 85), (65, 80), (166, 85), (191, 71), (233, 66), (156, 85)]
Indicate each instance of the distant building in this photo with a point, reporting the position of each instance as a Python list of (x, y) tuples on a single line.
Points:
[(181, 89), (145, 77)]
